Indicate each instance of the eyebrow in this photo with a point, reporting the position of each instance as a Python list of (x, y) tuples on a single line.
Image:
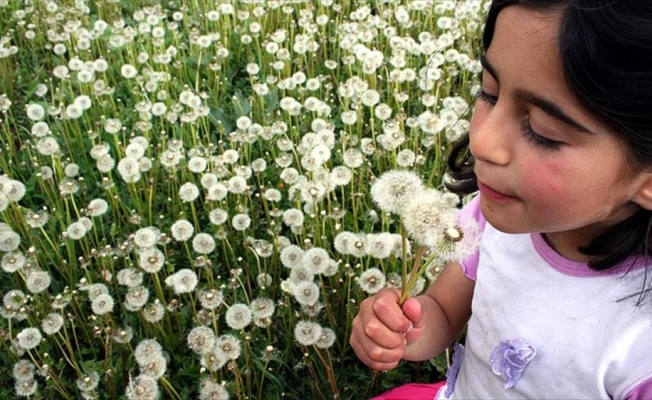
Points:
[(547, 106)]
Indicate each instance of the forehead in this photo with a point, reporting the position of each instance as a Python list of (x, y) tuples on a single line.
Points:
[(524, 52), (528, 31)]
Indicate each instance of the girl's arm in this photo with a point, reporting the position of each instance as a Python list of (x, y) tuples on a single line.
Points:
[(384, 333), (446, 308)]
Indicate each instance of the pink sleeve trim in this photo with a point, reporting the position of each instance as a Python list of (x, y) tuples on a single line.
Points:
[(472, 211), (642, 391)]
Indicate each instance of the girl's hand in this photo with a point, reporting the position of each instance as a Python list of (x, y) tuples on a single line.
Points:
[(382, 329)]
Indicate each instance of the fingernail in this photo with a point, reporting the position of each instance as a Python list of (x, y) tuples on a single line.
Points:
[(409, 328)]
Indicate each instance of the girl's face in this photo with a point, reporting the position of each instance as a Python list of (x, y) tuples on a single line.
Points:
[(543, 163)]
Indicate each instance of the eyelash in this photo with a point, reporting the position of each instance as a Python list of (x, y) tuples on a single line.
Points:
[(530, 134)]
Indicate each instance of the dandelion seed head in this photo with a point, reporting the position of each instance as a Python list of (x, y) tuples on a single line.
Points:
[(129, 169), (183, 281), (9, 240), (238, 316), (240, 222), (94, 289), (211, 390), (89, 382), (97, 207), (29, 338), (203, 243), (262, 307), (353, 158), (151, 260), (218, 216), (143, 387), (426, 218), (13, 261), (182, 230), (147, 350), (230, 156), (52, 323), (300, 273), (326, 339), (343, 241), (23, 370), (393, 189), (40, 129), (215, 360), (147, 237), (154, 312), (380, 245), (316, 260), (102, 304), (188, 192), (259, 165), (292, 256), (406, 158), (123, 336), (209, 179), (26, 388), (201, 340), (211, 299), (272, 195), (35, 112), (306, 292), (293, 217), (136, 298), (371, 280), (237, 185), (217, 192), (230, 346), (156, 368), (14, 190), (307, 333), (38, 281)]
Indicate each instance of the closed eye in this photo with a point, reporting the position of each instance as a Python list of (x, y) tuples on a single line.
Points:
[(487, 98)]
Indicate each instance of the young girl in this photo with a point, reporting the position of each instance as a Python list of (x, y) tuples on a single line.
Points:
[(561, 151)]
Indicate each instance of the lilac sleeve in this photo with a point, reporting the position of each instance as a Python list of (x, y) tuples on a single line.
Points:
[(472, 213), (642, 391)]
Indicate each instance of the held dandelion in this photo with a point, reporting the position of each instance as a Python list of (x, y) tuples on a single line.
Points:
[(428, 218)]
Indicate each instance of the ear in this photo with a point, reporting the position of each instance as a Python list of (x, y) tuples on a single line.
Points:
[(643, 196)]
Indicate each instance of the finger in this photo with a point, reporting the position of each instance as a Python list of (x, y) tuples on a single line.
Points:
[(388, 311), (413, 311), (376, 340), (380, 359)]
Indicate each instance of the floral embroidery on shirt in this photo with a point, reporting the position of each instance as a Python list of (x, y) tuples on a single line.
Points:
[(451, 374), (510, 358)]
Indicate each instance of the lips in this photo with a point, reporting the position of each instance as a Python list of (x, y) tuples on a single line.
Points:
[(494, 194)]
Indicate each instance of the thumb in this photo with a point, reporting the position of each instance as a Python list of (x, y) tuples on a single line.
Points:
[(413, 311)]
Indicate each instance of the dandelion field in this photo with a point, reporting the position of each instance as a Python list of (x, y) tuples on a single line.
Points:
[(185, 188)]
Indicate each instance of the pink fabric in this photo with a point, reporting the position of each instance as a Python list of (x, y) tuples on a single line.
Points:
[(472, 211), (643, 391), (581, 269), (412, 391)]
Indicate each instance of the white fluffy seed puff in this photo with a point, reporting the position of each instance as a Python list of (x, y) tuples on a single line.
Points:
[(307, 333), (394, 189), (183, 281), (426, 218)]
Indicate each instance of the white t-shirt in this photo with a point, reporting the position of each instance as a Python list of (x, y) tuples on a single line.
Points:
[(550, 327)]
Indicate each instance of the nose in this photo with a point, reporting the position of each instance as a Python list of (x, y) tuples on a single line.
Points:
[(489, 134)]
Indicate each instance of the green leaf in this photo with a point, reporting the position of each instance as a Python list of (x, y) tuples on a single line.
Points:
[(271, 101), (241, 106), (219, 117)]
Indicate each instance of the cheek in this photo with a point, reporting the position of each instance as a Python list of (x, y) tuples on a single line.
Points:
[(543, 183)]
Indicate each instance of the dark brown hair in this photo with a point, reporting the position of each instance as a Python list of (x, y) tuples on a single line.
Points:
[(605, 47)]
